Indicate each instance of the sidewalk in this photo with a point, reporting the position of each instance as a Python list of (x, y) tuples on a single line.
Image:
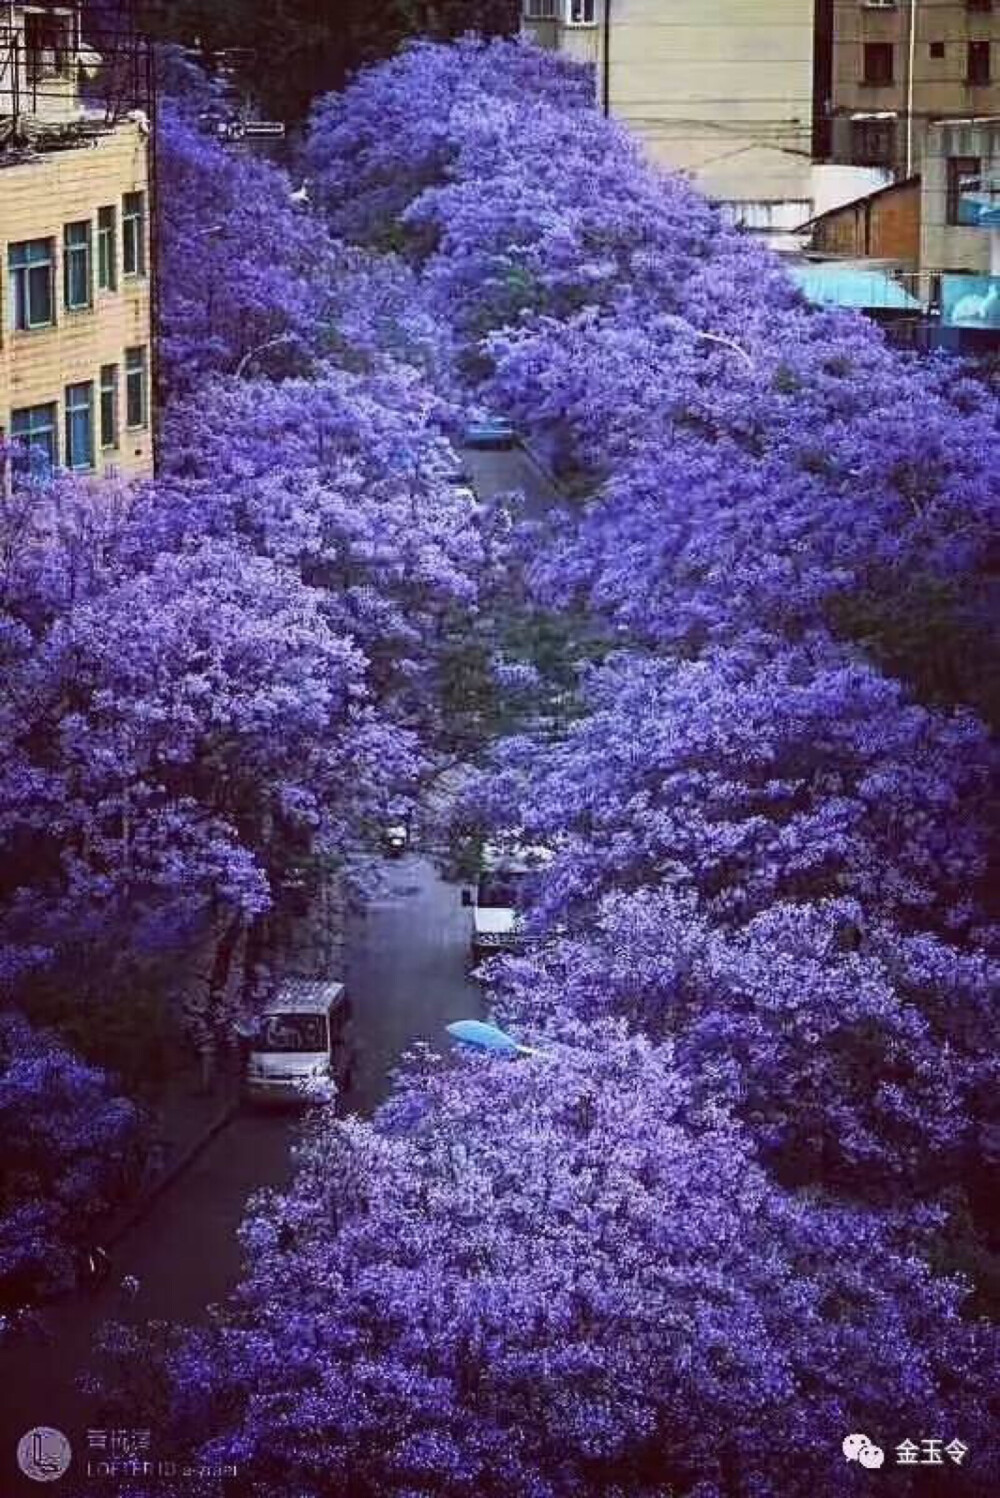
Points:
[(187, 1118)]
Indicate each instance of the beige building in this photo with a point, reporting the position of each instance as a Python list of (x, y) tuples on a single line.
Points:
[(960, 200), (76, 343), (891, 69), (722, 92)]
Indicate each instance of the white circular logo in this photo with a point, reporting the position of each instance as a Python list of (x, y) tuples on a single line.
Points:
[(44, 1454)]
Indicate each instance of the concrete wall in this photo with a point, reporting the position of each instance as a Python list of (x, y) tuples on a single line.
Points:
[(37, 198), (939, 86), (884, 227), (722, 92)]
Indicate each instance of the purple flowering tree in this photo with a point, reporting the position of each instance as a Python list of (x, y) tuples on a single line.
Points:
[(564, 1275), (66, 1135)]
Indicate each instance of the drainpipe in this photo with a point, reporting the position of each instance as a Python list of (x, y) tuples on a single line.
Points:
[(910, 70), (606, 87)]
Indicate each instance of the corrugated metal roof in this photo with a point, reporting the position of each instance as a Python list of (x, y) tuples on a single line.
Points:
[(840, 286)]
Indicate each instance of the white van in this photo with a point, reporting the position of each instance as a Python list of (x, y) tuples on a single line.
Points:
[(505, 889), (299, 1042)]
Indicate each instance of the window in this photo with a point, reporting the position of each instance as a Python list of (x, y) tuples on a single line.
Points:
[(80, 425), (76, 265), (581, 12), (980, 5), (109, 405), (977, 67), (107, 249), (963, 175), (32, 265), (35, 428), (541, 10), (136, 402), (134, 234), (47, 45), (878, 62), (937, 49), (873, 142)]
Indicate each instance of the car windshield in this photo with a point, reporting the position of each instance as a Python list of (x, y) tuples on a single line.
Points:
[(291, 1032), (507, 890)]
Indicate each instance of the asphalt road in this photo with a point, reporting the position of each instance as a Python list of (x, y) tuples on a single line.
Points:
[(406, 972), (502, 470)]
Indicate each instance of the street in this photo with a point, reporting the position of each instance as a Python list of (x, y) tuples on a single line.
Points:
[(406, 969), (406, 972), (498, 471)]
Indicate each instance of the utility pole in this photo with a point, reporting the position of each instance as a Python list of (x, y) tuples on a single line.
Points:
[(910, 70), (606, 87)]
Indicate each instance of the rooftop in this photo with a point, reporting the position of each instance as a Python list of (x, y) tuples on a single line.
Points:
[(60, 89), (305, 996)]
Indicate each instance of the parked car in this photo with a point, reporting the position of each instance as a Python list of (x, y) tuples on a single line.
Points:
[(491, 432), (300, 1043), (396, 838), (504, 890)]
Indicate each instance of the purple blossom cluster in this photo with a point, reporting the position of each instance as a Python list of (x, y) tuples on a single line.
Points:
[(731, 1207), (214, 682), (66, 1134), (568, 1275)]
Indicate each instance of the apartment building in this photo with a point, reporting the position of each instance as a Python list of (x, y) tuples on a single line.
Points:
[(960, 217), (722, 92), (887, 70), (76, 251)]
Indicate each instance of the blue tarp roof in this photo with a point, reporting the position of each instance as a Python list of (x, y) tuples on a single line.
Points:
[(843, 286)]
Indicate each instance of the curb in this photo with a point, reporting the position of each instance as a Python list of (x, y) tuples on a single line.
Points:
[(188, 1155), (543, 468)]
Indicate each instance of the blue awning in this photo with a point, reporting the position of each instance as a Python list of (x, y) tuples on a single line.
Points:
[(842, 286)]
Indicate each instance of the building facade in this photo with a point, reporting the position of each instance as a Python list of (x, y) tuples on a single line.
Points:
[(76, 249), (723, 93), (960, 202), (888, 70)]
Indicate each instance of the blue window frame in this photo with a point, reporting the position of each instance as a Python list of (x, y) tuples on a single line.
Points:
[(77, 291), (32, 266), (134, 234), (136, 392), (109, 405), (107, 248), (80, 425), (35, 428)]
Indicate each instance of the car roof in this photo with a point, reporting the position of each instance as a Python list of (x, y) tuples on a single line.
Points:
[(514, 858), (306, 996)]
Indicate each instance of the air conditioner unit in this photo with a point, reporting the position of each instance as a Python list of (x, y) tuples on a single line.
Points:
[(878, 4)]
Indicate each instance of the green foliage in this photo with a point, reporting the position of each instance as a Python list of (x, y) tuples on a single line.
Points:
[(927, 631), (301, 49)]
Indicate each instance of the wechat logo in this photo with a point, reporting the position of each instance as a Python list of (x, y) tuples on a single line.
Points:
[(44, 1454), (860, 1449)]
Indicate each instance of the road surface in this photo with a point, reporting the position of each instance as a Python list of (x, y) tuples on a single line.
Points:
[(406, 971), (501, 470)]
